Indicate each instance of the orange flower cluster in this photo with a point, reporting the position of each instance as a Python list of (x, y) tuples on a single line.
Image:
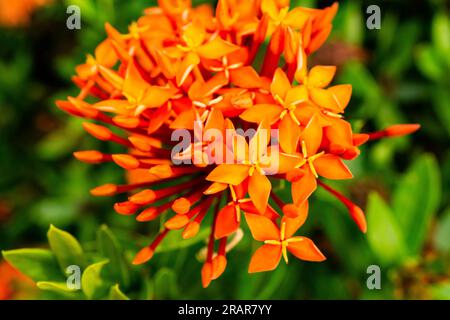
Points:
[(180, 68)]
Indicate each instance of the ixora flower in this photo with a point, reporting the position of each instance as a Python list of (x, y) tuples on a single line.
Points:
[(180, 68)]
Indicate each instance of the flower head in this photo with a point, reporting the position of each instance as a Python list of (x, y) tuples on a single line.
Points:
[(203, 132)]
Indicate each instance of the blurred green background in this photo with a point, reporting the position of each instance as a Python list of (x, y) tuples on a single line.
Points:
[(400, 74)]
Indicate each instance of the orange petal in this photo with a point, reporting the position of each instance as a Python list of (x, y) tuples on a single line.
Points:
[(289, 134), (258, 143), (187, 65), (105, 55), (321, 76), (296, 95), (296, 18), (290, 210), (185, 120), (341, 94), (215, 120), (304, 187), (295, 222), (194, 35), (112, 105), (280, 84), (305, 250), (266, 258), (319, 39), (134, 85), (226, 222), (158, 118), (312, 135), (259, 190), (262, 228), (112, 77), (215, 187), (324, 98), (156, 96), (229, 173), (216, 49), (331, 167), (245, 77), (285, 162), (259, 112)]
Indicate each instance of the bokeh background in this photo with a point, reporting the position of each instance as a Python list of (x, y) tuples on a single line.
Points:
[(400, 74)]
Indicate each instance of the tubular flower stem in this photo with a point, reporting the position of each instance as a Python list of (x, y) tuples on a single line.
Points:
[(355, 212)]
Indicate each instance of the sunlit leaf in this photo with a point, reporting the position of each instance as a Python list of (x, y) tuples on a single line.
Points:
[(58, 287), (66, 248), (416, 200), (116, 294), (38, 264), (93, 283), (110, 248), (383, 233)]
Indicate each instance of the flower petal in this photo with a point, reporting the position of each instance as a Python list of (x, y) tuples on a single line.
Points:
[(226, 222), (259, 190), (266, 258), (305, 249), (134, 85), (187, 65), (342, 94), (289, 134), (105, 54), (296, 18), (156, 96), (312, 135), (245, 77), (293, 224), (229, 173), (304, 187), (321, 76), (280, 84), (216, 49), (324, 98), (259, 112), (261, 227), (296, 95), (331, 167)]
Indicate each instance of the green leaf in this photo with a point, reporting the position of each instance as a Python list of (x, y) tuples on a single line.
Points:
[(441, 36), (58, 287), (110, 248), (93, 282), (352, 22), (441, 291), (416, 200), (165, 284), (38, 264), (441, 97), (116, 294), (428, 63), (66, 248), (442, 235), (383, 234)]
